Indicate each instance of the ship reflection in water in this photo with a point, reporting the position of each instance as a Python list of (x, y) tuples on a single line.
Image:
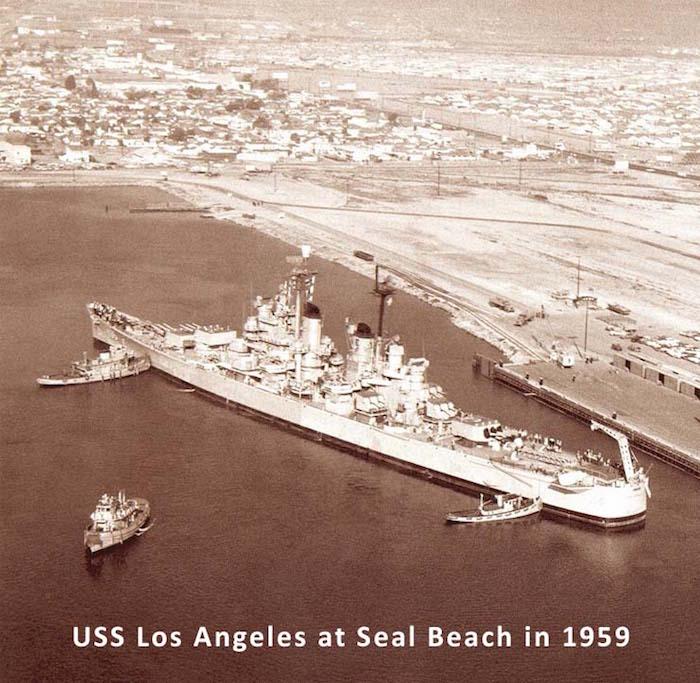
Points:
[(115, 557)]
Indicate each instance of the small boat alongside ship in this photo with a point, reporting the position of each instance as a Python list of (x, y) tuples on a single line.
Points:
[(501, 508), (116, 363), (116, 519)]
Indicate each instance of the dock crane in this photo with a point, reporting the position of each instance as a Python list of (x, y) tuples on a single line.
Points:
[(629, 462)]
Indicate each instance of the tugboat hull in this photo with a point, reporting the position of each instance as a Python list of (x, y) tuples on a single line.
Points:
[(502, 514), (95, 540), (136, 367)]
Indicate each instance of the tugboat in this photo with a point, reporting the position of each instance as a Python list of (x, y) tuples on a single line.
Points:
[(116, 363), (502, 508), (116, 520)]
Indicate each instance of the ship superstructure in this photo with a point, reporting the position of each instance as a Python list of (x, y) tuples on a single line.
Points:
[(375, 400), (116, 363), (116, 519)]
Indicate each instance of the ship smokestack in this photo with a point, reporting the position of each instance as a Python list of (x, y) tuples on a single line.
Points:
[(363, 346), (312, 325)]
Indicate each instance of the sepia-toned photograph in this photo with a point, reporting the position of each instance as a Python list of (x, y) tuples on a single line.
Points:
[(349, 341)]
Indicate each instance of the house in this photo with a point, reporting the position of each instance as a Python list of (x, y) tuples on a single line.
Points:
[(75, 155), (15, 155)]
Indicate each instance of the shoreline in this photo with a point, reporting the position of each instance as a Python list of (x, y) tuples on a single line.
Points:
[(461, 316), (469, 318), (468, 248)]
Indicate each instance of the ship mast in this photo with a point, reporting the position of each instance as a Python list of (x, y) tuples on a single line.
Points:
[(302, 285), (384, 291)]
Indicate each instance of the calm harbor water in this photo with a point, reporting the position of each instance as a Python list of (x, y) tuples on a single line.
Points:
[(256, 526)]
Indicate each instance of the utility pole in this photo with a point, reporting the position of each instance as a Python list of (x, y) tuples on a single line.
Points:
[(585, 335), (578, 279)]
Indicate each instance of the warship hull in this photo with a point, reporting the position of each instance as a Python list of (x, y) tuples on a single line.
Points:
[(609, 507)]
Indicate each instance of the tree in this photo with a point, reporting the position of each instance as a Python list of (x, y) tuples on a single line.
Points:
[(194, 93), (92, 87), (178, 134), (133, 95), (262, 122), (70, 83), (253, 103), (15, 116)]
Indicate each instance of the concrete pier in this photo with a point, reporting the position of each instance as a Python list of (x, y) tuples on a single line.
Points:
[(659, 422)]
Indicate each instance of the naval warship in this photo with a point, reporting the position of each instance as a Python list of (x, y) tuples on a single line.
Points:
[(375, 401)]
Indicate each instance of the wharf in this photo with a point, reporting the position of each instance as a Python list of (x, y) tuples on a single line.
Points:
[(168, 208), (658, 421)]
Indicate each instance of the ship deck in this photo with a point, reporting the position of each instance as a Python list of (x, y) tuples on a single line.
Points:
[(546, 462)]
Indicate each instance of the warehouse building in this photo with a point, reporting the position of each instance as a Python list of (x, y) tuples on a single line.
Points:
[(652, 370)]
